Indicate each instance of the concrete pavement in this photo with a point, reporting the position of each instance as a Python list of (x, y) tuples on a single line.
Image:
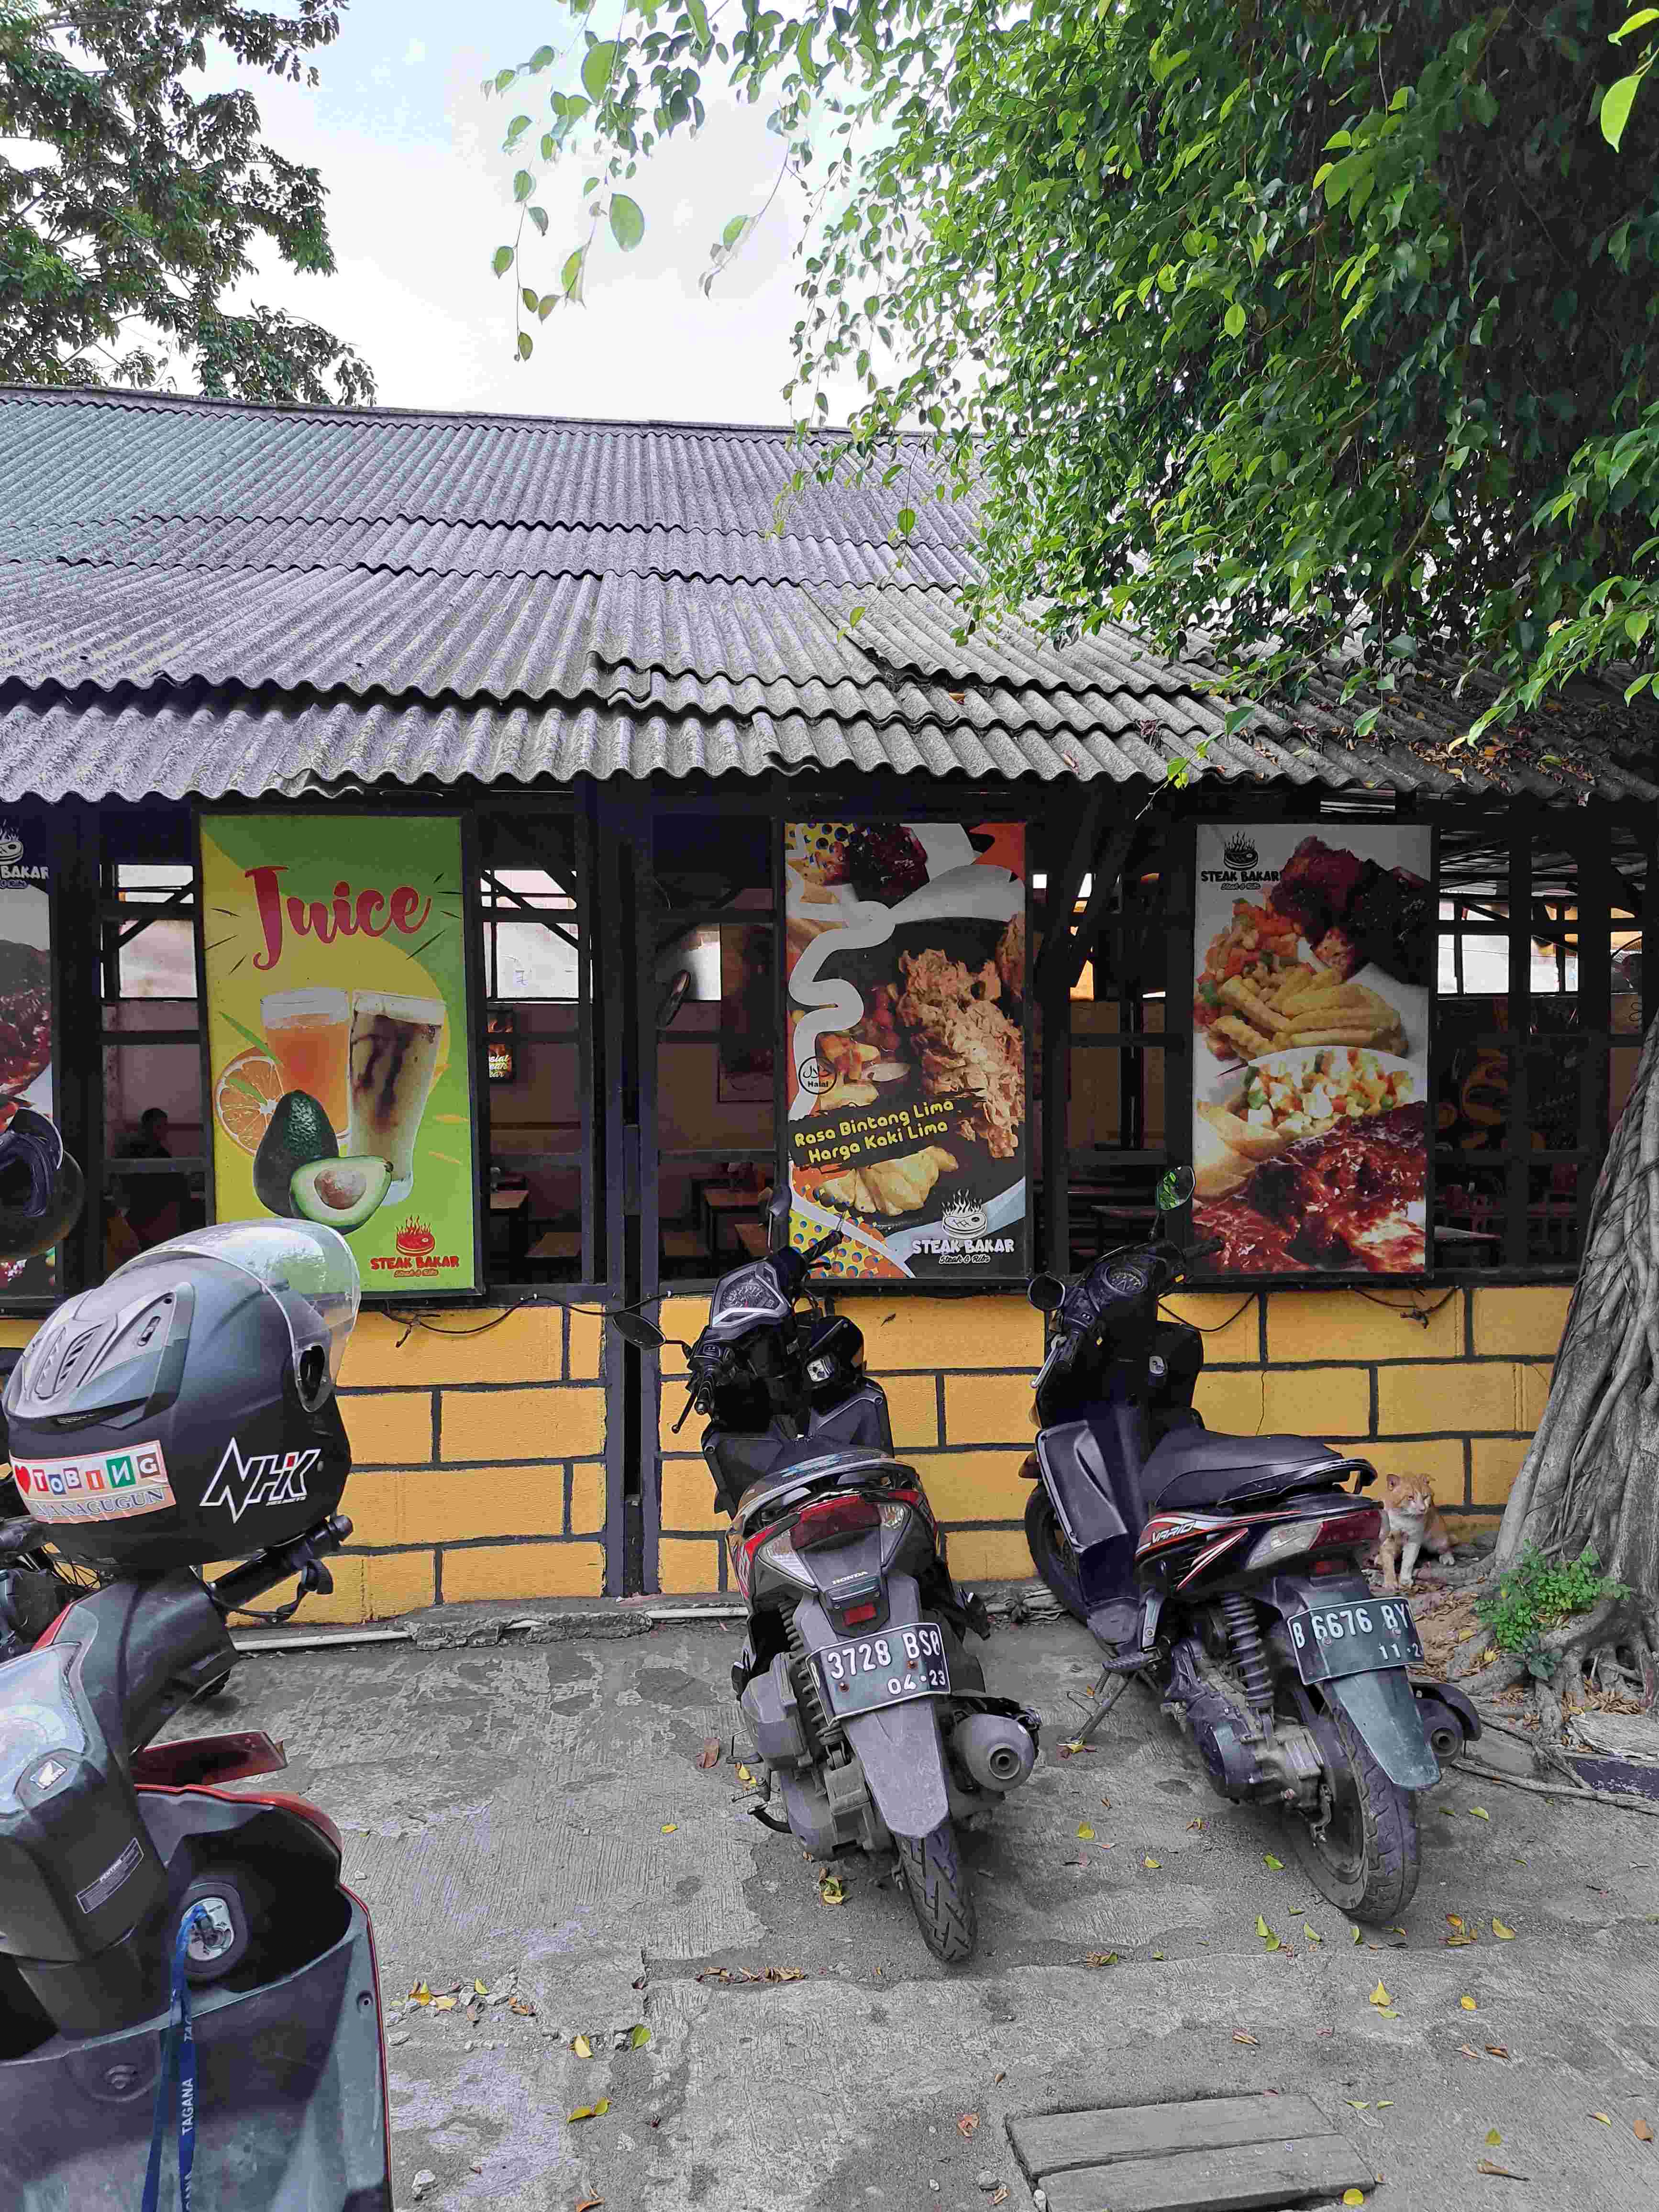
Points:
[(533, 1817)]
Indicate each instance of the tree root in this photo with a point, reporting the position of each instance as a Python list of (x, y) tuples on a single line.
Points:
[(1625, 1801)]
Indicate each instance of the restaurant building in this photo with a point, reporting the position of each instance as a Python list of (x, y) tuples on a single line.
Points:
[(517, 842)]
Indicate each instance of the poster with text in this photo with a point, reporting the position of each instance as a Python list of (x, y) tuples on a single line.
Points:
[(905, 981), (25, 1008), (338, 1030), (1311, 998)]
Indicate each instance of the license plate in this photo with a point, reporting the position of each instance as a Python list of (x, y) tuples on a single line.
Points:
[(885, 1670), (1333, 1640)]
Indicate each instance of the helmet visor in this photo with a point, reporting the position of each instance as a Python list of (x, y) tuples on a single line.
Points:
[(302, 1257)]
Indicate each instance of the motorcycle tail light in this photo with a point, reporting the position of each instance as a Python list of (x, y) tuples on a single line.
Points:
[(1325, 1532), (833, 1520)]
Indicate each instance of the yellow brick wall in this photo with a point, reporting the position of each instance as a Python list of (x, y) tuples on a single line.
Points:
[(1450, 1385)]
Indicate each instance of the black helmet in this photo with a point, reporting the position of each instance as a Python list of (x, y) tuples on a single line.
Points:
[(185, 1411), (41, 1189)]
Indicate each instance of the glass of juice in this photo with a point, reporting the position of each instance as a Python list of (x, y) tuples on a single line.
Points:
[(307, 1031), (395, 1043)]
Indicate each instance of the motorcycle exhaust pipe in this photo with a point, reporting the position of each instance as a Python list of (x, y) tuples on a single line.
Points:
[(997, 1752)]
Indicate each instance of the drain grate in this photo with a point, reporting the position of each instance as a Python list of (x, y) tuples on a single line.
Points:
[(1204, 2154)]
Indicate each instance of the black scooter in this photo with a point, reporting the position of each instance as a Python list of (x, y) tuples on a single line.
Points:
[(131, 1880), (1226, 1572), (869, 1714)]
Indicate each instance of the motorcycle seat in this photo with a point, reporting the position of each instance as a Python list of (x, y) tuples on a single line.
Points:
[(1197, 1468)]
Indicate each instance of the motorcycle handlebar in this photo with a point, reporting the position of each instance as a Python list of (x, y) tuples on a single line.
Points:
[(267, 1570), (824, 1244)]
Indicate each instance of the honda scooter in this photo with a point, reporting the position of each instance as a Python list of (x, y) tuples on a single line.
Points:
[(1226, 1571), (871, 1717), (166, 1418)]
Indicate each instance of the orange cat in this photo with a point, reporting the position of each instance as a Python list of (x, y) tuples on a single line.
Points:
[(1411, 1525)]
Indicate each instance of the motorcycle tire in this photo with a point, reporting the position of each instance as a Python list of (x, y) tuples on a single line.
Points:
[(1367, 1861), (941, 1895), (1051, 1554)]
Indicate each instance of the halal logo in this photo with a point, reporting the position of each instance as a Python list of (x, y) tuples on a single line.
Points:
[(963, 1218), (815, 1076), (1239, 853), (264, 1479), (416, 1239), (11, 845)]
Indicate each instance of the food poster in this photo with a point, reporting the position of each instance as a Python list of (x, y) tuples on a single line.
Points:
[(905, 982), (1314, 965), (338, 1029), (26, 1011)]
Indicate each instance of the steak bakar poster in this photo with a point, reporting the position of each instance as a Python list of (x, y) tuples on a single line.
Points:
[(338, 1034), (905, 988), (1311, 999)]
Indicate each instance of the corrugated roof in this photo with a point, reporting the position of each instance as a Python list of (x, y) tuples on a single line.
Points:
[(200, 597)]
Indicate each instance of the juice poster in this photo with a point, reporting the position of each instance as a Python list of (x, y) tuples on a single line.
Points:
[(905, 968), (338, 1032)]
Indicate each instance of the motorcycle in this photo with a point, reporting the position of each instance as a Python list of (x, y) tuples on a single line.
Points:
[(1226, 1571), (870, 1716), (131, 1880)]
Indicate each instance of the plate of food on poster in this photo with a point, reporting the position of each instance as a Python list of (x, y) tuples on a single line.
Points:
[(1311, 1017), (906, 983)]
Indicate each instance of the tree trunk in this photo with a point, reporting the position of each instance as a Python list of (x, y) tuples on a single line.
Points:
[(1591, 1474)]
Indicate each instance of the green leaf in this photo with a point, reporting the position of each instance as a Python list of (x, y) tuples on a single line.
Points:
[(529, 298), (626, 221), (541, 59), (1616, 104), (539, 217), (1233, 321), (501, 261), (699, 15), (545, 306), (733, 231), (639, 2036), (1638, 21), (598, 65), (526, 344), (523, 185), (906, 520), (503, 78), (570, 276)]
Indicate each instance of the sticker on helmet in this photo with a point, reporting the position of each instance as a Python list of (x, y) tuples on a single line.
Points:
[(113, 1485), (266, 1479)]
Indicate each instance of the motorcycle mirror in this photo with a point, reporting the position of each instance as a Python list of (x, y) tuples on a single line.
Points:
[(634, 1328), (1046, 1292), (1175, 1186), (777, 1220)]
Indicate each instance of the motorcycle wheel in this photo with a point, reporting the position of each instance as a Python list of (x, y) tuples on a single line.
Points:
[(941, 1894), (1366, 1861), (1051, 1554)]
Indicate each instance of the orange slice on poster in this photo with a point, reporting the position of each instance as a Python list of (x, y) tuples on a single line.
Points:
[(244, 1096)]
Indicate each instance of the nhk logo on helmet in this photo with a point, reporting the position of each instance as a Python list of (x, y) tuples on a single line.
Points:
[(263, 1479)]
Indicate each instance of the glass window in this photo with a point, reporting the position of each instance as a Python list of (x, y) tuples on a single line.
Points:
[(155, 1144)]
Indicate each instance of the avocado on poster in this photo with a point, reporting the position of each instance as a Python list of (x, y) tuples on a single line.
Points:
[(905, 965), (337, 1029)]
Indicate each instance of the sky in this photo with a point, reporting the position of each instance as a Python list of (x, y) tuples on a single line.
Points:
[(419, 196)]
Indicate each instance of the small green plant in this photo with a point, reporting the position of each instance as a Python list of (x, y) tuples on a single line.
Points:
[(1537, 1595)]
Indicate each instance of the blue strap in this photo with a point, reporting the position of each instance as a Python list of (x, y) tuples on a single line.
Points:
[(178, 2055)]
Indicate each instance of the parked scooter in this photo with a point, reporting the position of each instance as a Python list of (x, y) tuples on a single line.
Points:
[(869, 1716), (1226, 1572), (183, 1412)]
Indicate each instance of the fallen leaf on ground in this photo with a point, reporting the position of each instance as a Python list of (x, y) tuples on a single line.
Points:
[(786, 1973), (443, 2004), (524, 2011), (832, 1890), (967, 2125), (1457, 1926), (1072, 1750), (671, 1827), (745, 1778), (1275, 1866), (1468, 2050), (1641, 2131), (1354, 2196), (591, 2111), (1492, 2139), (1266, 1933), (638, 2036), (1085, 1834), (710, 1753), (1153, 1863), (1465, 1634), (1354, 1932), (1380, 1996), (1503, 2173), (478, 1989), (1496, 2050), (1158, 1955), (1355, 2102), (999, 2195), (1101, 1958), (1602, 2117), (1503, 1935), (581, 2046), (1479, 1813), (590, 2204), (1240, 2036), (1468, 2004), (1383, 2103), (1198, 1825)]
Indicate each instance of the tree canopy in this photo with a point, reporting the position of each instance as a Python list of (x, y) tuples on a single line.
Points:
[(128, 201), (1286, 325)]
